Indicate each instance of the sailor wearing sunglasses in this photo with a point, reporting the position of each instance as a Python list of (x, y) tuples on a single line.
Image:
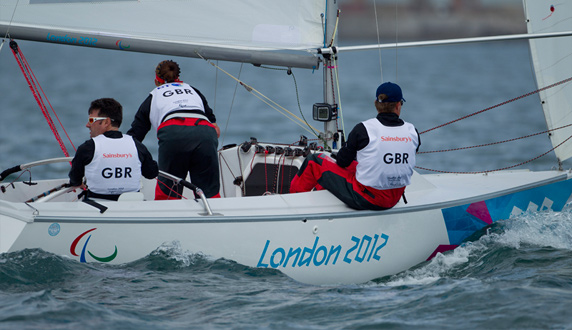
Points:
[(112, 163)]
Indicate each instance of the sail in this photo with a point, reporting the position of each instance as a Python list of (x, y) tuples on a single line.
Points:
[(260, 32), (552, 61)]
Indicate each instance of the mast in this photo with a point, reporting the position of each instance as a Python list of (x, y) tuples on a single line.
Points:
[(332, 138)]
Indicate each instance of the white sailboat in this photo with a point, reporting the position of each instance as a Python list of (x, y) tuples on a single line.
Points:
[(312, 237)]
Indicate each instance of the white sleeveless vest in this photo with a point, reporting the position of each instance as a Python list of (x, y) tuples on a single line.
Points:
[(172, 97), (115, 167), (388, 160)]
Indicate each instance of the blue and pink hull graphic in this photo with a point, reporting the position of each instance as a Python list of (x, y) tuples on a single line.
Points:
[(464, 220)]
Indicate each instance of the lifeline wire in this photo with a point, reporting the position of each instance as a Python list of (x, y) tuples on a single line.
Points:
[(500, 169), (496, 106), (494, 143)]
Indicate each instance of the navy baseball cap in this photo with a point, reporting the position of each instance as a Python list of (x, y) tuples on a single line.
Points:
[(393, 92)]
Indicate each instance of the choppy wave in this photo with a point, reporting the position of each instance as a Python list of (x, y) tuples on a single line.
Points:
[(530, 238), (515, 276)]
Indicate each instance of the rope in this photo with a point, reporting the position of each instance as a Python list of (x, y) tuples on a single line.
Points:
[(37, 91), (335, 27), (500, 104)]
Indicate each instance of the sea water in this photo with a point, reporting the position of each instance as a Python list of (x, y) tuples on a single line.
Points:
[(517, 274)]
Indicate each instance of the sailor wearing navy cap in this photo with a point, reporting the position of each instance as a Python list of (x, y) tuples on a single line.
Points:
[(372, 169)]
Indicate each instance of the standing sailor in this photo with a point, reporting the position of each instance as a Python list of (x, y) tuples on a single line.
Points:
[(373, 168), (187, 132)]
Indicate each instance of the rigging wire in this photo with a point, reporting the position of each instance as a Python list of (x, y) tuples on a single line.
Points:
[(285, 112), (231, 103), (396, 42), (215, 89), (7, 35), (378, 39), (10, 23)]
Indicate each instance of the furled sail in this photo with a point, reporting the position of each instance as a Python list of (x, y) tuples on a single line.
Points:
[(552, 61), (275, 32)]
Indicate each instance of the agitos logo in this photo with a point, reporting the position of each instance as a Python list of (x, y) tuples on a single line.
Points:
[(122, 47), (84, 249)]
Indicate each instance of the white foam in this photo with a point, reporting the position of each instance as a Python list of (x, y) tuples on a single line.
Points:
[(553, 229), (436, 268), (175, 251)]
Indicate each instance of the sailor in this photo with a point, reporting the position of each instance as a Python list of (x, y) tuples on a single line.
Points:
[(111, 162), (187, 132), (372, 169)]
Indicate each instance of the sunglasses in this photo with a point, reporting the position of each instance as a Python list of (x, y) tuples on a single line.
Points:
[(92, 120)]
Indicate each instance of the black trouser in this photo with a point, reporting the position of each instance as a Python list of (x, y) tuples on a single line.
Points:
[(188, 149)]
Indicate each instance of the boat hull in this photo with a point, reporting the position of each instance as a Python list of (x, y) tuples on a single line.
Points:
[(311, 237)]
